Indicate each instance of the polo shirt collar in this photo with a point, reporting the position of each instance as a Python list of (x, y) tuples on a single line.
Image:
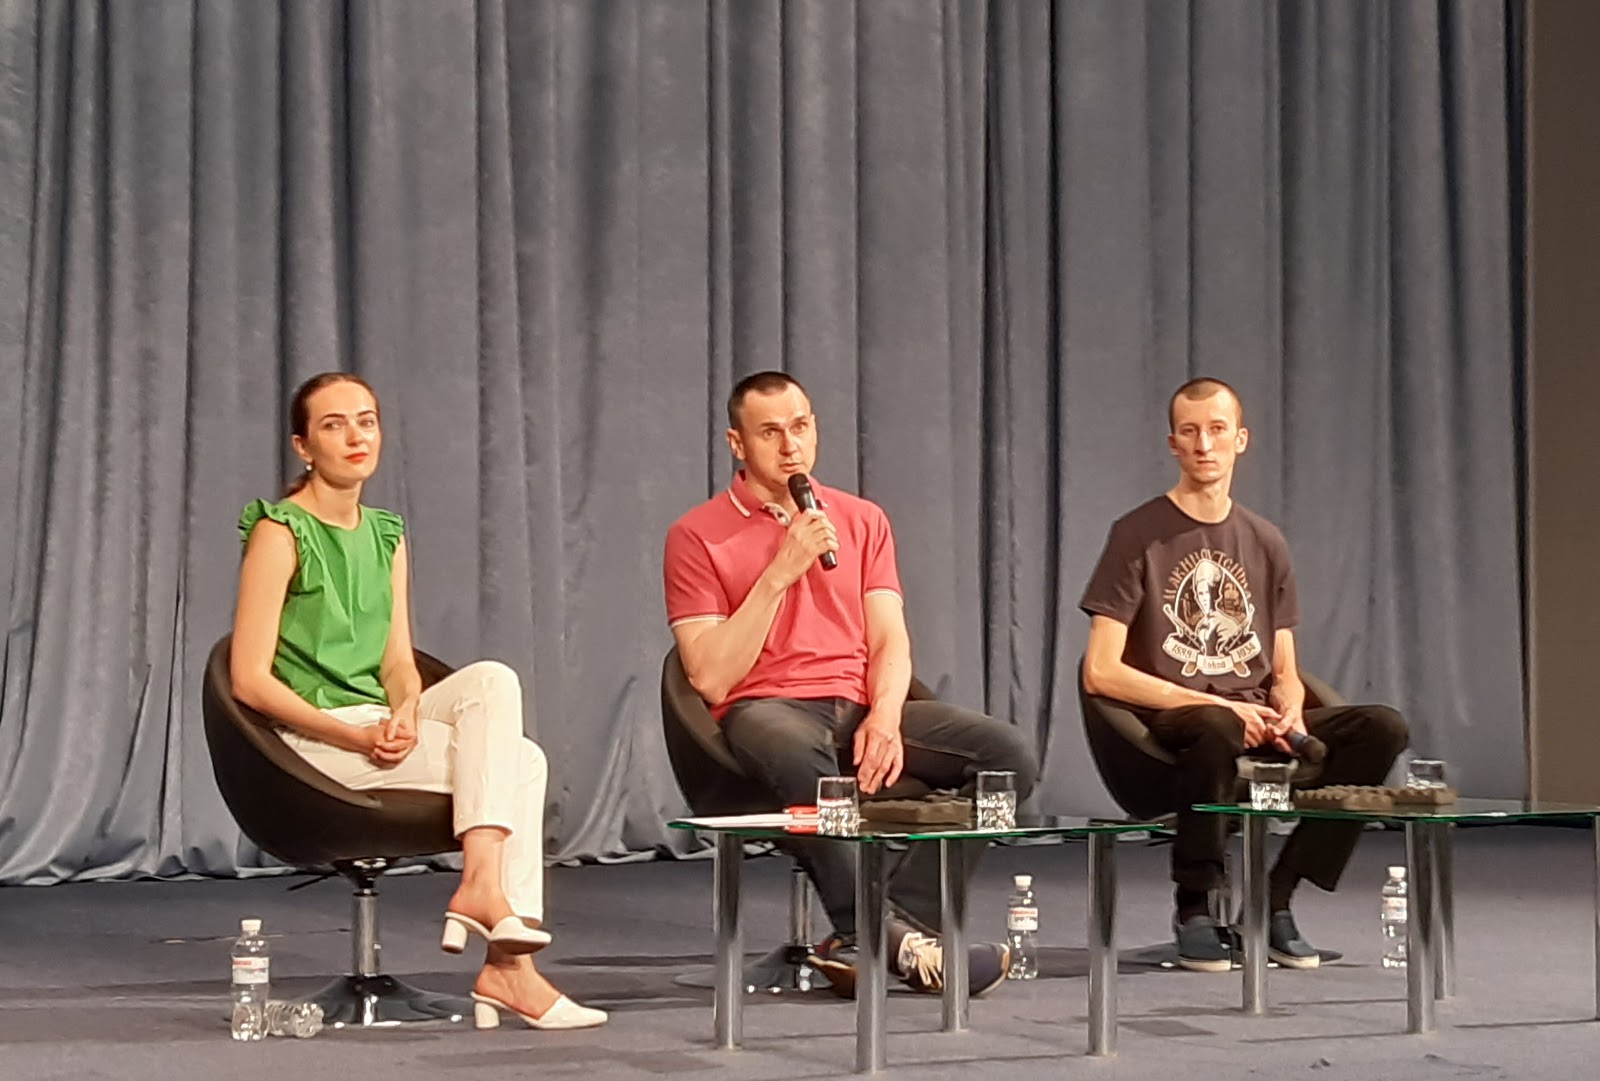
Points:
[(746, 501)]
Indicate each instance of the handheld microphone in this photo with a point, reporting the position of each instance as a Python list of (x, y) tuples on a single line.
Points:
[(806, 499), (1307, 747)]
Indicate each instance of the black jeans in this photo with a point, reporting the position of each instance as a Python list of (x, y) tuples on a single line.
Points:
[(1363, 742), (787, 743)]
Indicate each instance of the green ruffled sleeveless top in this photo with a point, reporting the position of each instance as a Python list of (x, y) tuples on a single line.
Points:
[(336, 615)]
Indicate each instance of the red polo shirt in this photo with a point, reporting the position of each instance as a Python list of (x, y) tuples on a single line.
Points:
[(817, 645)]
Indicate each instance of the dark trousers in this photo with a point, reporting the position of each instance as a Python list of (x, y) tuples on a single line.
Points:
[(788, 743), (1362, 741)]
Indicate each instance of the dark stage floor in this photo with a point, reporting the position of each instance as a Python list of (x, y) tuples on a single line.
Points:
[(129, 980)]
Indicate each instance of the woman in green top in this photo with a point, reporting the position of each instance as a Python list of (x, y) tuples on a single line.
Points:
[(322, 645)]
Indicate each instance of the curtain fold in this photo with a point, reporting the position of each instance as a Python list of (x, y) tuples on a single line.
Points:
[(990, 238)]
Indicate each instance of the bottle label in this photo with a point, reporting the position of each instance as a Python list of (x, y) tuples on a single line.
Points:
[(251, 969), (1394, 909), (1022, 918)]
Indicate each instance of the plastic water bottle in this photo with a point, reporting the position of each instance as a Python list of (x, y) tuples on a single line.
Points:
[(1394, 919), (1022, 921), (252, 982), (302, 1019)]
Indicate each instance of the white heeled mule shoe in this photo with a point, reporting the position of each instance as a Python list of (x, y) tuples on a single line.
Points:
[(510, 934), (564, 1013)]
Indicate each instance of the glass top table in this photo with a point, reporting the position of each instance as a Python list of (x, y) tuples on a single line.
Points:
[(871, 831), (1430, 932), (1477, 811), (870, 843)]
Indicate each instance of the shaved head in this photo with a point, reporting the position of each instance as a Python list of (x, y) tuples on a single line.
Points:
[(1198, 390)]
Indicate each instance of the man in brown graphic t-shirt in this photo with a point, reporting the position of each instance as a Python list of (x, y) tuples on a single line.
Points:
[(1193, 608)]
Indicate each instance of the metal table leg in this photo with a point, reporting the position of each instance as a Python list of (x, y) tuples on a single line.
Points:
[(795, 954), (1255, 914), (1444, 910), (872, 977), (728, 999), (1596, 827), (953, 921), (1419, 928), (1102, 944), (799, 907)]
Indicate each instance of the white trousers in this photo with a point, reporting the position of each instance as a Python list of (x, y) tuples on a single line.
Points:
[(470, 747)]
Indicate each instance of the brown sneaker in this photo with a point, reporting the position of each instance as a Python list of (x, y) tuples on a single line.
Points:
[(835, 958)]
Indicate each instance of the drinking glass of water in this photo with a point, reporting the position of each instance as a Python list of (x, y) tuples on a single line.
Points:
[(837, 812), (1425, 773), (997, 799), (1269, 783)]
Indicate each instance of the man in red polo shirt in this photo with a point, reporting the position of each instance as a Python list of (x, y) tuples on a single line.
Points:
[(807, 668)]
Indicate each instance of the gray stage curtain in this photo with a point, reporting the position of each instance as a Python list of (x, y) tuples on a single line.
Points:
[(989, 237)]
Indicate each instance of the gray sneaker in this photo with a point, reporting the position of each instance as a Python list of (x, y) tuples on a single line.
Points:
[(1202, 947), (1287, 946)]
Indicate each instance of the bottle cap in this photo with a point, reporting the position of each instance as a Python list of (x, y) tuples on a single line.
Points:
[(1397, 872), (250, 927), (1023, 881)]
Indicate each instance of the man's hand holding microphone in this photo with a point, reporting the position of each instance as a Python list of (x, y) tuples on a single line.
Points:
[(811, 537)]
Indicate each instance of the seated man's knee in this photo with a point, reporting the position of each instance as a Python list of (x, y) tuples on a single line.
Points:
[(1385, 727), (1012, 752)]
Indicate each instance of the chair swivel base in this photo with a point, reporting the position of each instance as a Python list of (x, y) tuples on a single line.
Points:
[(379, 1001), (782, 969)]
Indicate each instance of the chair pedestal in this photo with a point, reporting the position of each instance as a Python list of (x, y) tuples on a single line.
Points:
[(785, 968), (782, 969), (367, 998), (377, 1001)]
